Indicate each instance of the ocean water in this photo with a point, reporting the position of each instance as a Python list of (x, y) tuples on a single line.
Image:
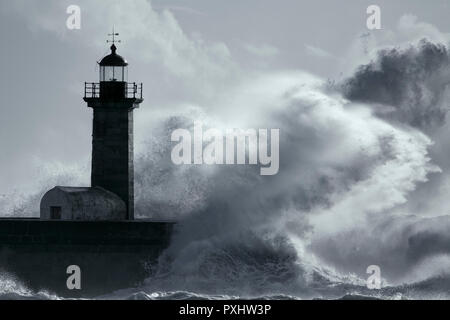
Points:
[(320, 286), (256, 266)]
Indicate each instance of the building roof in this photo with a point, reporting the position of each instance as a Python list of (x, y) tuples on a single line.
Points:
[(74, 189), (113, 59), (91, 195), (89, 192)]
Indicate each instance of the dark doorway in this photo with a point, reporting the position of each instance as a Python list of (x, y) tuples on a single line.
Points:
[(55, 213)]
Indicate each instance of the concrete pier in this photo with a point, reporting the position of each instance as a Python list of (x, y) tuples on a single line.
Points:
[(111, 255)]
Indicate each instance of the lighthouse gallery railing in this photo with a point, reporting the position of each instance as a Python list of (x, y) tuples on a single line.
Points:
[(132, 90)]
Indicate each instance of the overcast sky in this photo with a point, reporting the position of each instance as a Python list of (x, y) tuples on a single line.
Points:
[(187, 52)]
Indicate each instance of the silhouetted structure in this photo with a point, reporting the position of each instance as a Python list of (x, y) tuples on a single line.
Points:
[(113, 100)]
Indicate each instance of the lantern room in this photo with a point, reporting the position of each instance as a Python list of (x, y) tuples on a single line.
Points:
[(113, 67), (113, 84)]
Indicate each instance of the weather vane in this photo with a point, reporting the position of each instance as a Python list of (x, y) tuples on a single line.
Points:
[(113, 35)]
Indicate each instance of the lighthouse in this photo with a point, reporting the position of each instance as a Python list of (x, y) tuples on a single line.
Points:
[(113, 100), (111, 196)]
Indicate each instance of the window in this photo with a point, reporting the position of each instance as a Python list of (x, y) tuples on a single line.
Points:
[(113, 73), (55, 213)]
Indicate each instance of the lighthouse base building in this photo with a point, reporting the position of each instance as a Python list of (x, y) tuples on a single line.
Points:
[(74, 203)]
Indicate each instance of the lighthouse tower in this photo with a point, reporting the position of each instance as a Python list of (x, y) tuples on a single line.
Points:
[(113, 100)]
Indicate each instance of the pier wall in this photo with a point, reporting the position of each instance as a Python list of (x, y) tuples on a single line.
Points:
[(111, 255)]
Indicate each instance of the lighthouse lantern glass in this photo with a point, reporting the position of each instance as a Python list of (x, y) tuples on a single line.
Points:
[(113, 73)]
